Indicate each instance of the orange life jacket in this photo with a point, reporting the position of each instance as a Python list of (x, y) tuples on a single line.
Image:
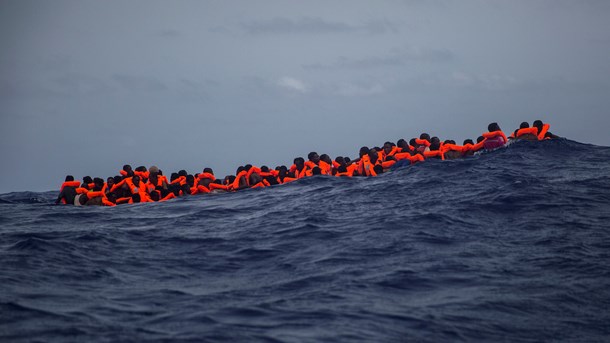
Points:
[(213, 186), (528, 131), (545, 129), (238, 177), (171, 195), (434, 154), (493, 134), (68, 184)]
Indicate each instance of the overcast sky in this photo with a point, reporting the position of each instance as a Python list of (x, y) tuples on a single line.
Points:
[(87, 86)]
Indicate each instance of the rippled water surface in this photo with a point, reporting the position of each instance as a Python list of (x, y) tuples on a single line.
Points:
[(512, 245)]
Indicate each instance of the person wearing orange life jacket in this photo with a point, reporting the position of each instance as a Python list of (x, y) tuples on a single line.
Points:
[(96, 196), (452, 151), (142, 173), (269, 175), (403, 146), (67, 192), (387, 155), (240, 181), (542, 128), (495, 138), (423, 143), (525, 132), (255, 180), (407, 158), (363, 157), (136, 186), (329, 163), (469, 148), (283, 175), (203, 180), (126, 171), (370, 165), (299, 169), (157, 182), (314, 161), (434, 151), (87, 183)]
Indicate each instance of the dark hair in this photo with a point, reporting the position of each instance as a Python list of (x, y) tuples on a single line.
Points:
[(378, 169), (136, 197), (364, 151), (493, 127), (69, 178), (208, 170), (524, 125), (425, 136), (316, 171), (480, 139), (87, 179), (141, 169), (468, 141), (182, 172), (538, 124), (311, 155)]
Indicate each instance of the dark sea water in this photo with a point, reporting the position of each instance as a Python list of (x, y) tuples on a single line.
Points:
[(511, 245)]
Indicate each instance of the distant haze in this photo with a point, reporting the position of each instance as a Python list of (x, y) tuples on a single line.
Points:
[(87, 86)]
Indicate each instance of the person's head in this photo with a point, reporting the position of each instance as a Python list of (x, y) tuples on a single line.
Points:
[(402, 144), (173, 177), (141, 169), (316, 171), (480, 139), (155, 196), (127, 168), (208, 170), (87, 179), (265, 169), (98, 184), (342, 169), (340, 160), (299, 162), (387, 147), (413, 142), (313, 157), (69, 178), (538, 124), (182, 173), (326, 158), (153, 170), (363, 151), (110, 182), (468, 141), (239, 170), (425, 136), (524, 125), (136, 180), (373, 156), (136, 197), (229, 179), (493, 127), (435, 146), (347, 160), (82, 200), (247, 167), (435, 140)]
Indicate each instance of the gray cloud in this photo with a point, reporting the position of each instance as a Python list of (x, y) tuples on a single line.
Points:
[(136, 83), (397, 57), (311, 25)]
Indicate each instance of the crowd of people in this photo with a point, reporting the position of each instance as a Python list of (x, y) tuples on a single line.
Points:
[(151, 185)]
